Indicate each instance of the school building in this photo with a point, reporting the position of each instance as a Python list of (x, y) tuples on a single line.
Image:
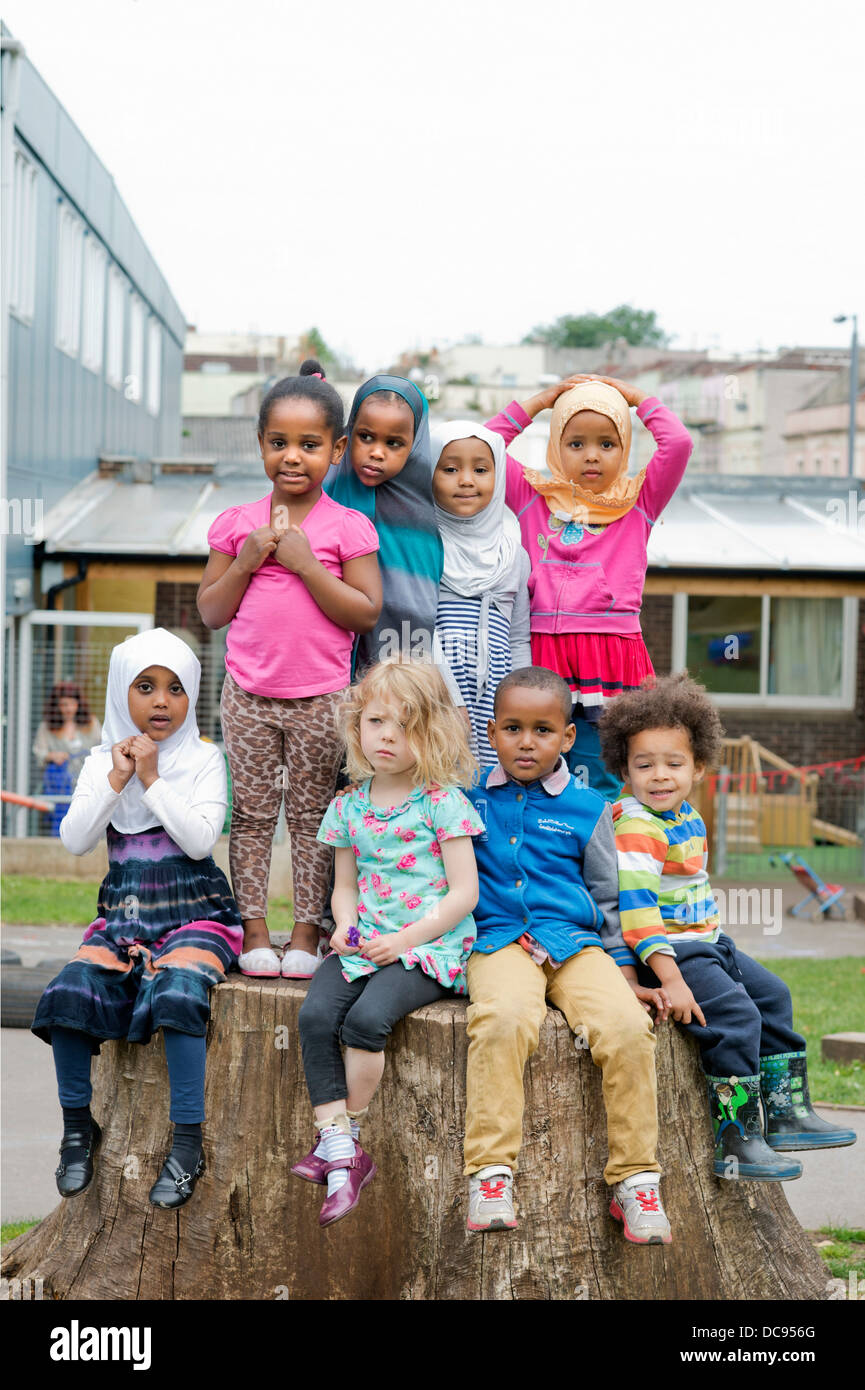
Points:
[(92, 359)]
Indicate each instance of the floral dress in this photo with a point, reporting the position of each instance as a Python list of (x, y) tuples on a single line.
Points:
[(400, 876)]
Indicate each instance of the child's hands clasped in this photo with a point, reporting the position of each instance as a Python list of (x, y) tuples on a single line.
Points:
[(256, 548), (123, 766), (294, 551), (144, 754)]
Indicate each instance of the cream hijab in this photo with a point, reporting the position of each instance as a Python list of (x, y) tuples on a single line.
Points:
[(183, 756), (479, 550), (568, 500)]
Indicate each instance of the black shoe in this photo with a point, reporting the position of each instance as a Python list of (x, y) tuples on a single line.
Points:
[(73, 1177), (174, 1186)]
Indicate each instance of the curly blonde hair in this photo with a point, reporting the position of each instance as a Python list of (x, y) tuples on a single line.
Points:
[(434, 730)]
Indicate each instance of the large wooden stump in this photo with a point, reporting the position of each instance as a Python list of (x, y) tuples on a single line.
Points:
[(251, 1232)]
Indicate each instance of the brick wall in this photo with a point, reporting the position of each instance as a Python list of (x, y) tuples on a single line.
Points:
[(800, 736)]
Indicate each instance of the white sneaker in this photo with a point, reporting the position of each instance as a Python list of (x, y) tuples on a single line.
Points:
[(637, 1204), (491, 1199)]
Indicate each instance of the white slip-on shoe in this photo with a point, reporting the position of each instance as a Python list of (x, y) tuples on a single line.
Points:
[(261, 961), (300, 965)]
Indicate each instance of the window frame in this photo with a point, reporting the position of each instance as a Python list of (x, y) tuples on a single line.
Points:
[(115, 329), (93, 313), (154, 366), (69, 281), (845, 702), (133, 387), (22, 276)]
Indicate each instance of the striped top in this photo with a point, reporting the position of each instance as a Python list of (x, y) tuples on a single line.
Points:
[(664, 888)]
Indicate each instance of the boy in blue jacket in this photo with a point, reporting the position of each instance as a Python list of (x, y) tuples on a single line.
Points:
[(548, 931)]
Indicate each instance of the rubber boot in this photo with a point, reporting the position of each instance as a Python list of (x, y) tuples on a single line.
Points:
[(791, 1121), (740, 1150)]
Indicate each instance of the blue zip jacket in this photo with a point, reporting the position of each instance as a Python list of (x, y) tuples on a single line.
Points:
[(547, 866)]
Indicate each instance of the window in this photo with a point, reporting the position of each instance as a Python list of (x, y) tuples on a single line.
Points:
[(114, 329), (768, 651), (22, 274), (154, 367), (136, 350), (94, 304), (68, 316)]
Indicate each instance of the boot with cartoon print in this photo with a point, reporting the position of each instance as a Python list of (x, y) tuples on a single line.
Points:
[(740, 1150), (791, 1121)]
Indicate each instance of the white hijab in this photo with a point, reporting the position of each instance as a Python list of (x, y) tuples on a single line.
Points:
[(479, 550), (183, 755)]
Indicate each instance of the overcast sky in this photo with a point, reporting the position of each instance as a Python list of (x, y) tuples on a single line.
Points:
[(403, 174)]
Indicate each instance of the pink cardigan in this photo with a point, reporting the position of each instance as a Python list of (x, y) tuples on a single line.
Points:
[(593, 583)]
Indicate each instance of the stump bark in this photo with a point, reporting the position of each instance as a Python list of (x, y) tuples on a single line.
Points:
[(250, 1230)]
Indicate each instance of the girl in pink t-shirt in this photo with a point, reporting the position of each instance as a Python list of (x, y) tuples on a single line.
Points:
[(295, 576)]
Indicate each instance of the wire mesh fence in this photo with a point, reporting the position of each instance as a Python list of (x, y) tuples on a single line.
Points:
[(55, 677)]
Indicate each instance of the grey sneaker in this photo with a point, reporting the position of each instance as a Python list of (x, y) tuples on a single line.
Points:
[(491, 1199), (637, 1204)]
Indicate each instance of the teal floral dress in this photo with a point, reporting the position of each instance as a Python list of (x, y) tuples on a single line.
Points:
[(400, 875)]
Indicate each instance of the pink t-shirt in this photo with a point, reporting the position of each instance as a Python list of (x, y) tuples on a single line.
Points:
[(279, 641)]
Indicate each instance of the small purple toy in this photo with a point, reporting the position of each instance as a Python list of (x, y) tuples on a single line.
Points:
[(353, 936)]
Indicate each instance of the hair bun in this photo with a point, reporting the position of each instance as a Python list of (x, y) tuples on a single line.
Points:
[(311, 367)]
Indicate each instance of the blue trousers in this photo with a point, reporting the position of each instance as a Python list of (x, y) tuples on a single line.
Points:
[(586, 756), (184, 1052), (749, 1012)]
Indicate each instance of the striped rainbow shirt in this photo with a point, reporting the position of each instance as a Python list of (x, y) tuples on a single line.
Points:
[(664, 888)]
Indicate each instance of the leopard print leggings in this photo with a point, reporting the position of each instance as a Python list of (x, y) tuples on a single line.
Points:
[(277, 746)]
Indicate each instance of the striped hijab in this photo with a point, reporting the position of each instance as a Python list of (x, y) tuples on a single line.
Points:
[(411, 557)]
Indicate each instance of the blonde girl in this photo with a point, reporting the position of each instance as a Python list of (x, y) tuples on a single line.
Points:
[(404, 888)]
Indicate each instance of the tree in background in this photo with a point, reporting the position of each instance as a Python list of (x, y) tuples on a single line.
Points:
[(312, 344), (639, 327)]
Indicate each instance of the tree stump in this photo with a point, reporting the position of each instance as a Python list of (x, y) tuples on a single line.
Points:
[(251, 1232)]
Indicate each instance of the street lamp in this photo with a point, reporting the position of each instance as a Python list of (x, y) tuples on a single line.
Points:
[(854, 390)]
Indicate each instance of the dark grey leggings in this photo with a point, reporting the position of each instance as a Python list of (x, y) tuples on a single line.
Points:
[(360, 1013)]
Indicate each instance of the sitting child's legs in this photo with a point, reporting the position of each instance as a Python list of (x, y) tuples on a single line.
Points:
[(730, 1047), (790, 1119), (594, 995), (503, 1023)]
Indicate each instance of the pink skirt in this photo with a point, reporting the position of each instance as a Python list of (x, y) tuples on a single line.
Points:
[(598, 666)]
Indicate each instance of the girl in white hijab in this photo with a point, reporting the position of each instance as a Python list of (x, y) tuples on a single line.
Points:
[(482, 624), (167, 927)]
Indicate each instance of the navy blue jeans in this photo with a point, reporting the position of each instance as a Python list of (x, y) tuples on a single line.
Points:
[(749, 1012)]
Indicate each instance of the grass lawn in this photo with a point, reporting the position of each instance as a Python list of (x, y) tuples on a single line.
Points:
[(71, 902), (828, 997)]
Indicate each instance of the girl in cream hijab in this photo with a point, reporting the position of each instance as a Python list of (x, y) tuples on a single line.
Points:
[(482, 624), (586, 527)]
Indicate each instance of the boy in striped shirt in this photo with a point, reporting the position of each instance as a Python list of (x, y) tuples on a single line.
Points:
[(662, 738)]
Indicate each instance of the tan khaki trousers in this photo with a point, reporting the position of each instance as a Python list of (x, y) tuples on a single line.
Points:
[(509, 995)]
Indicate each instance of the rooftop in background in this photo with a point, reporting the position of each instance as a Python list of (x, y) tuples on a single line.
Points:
[(221, 438), (745, 524)]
